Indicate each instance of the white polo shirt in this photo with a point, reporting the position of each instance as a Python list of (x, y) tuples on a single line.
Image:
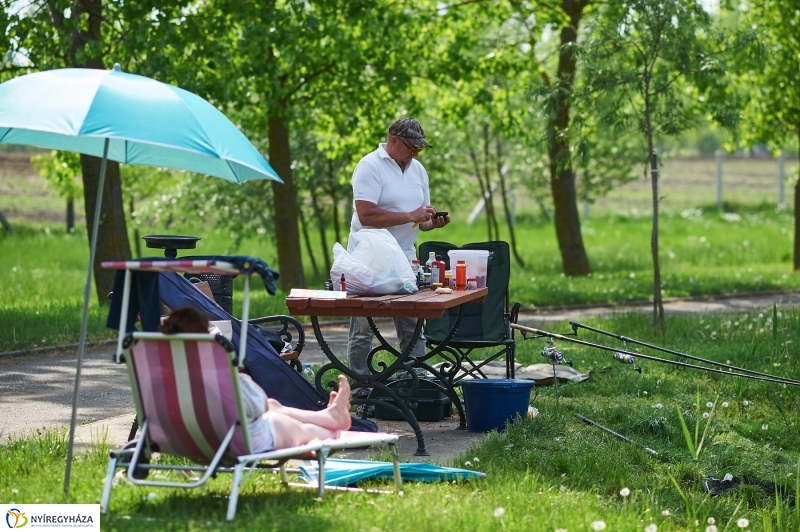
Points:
[(379, 180)]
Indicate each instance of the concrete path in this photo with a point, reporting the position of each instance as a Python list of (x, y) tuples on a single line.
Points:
[(36, 390)]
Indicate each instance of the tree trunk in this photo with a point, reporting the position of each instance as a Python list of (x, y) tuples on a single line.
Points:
[(5, 224), (658, 300), (562, 178), (506, 209), (287, 235), (71, 215), (323, 237), (797, 213), (491, 219), (337, 226), (310, 252), (484, 194), (112, 234)]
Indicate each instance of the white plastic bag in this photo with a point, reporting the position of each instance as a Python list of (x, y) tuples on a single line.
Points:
[(376, 267)]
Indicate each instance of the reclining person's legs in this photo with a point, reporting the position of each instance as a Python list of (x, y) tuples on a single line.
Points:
[(335, 417)]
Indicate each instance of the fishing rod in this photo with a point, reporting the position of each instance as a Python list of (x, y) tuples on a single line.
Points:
[(626, 340), (617, 434), (626, 357)]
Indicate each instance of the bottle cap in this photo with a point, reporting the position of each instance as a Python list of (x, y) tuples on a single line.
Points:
[(414, 261), (461, 262)]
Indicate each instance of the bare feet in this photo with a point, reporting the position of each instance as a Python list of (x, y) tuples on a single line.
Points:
[(339, 405)]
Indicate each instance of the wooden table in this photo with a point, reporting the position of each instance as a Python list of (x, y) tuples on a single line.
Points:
[(424, 304)]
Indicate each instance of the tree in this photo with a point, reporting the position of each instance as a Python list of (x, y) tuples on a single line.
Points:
[(269, 62), (768, 74), (57, 34), (510, 36), (640, 61), (61, 170)]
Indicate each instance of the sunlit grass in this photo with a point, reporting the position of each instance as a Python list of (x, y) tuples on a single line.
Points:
[(544, 473)]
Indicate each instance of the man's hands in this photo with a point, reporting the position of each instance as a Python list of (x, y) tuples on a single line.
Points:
[(435, 223), (432, 222), (371, 216), (423, 214)]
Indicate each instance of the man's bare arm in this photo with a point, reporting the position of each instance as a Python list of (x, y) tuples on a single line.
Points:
[(371, 216)]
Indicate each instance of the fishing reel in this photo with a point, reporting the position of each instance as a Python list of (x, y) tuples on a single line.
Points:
[(625, 358), (553, 355)]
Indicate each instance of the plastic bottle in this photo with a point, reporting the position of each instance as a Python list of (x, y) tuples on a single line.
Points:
[(343, 284), (472, 284), (440, 267), (308, 373), (431, 258), (461, 275), (417, 269)]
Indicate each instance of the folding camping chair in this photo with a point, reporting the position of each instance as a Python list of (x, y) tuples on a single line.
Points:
[(186, 392), (485, 325)]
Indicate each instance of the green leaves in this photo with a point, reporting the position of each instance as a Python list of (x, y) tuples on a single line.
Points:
[(62, 171)]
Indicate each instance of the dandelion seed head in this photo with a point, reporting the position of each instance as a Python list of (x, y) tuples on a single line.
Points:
[(709, 404), (724, 404), (706, 415), (764, 426), (658, 405), (498, 512), (665, 513), (745, 402), (624, 492), (652, 527), (711, 521), (742, 522), (711, 528), (598, 525)]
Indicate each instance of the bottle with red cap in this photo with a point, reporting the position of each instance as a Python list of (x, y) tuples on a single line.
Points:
[(438, 268)]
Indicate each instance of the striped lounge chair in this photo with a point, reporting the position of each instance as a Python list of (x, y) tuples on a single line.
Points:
[(186, 391)]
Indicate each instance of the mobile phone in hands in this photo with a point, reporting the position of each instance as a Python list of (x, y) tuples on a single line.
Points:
[(440, 213)]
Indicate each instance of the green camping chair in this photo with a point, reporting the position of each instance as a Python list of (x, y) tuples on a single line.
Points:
[(485, 326)]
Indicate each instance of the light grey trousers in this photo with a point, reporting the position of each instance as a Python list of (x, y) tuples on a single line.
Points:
[(359, 343)]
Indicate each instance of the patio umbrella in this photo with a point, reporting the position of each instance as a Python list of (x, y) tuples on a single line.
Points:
[(126, 118)]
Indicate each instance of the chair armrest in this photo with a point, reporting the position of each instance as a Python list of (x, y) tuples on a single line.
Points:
[(284, 331)]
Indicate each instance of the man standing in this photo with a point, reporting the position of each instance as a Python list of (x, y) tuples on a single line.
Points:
[(390, 191)]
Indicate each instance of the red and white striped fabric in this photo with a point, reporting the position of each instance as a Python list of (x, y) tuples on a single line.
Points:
[(193, 266), (187, 393)]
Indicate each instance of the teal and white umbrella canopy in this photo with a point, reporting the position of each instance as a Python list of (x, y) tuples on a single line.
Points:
[(146, 122), (126, 118)]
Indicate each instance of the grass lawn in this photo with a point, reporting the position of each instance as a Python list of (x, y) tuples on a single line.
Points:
[(546, 473), (43, 268)]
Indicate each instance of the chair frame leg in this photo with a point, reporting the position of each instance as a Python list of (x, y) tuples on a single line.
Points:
[(109, 484), (233, 499), (398, 479)]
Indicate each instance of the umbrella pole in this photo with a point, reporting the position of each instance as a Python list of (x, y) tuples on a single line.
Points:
[(87, 291)]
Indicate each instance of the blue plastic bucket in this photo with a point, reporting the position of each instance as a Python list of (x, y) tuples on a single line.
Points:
[(490, 403)]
